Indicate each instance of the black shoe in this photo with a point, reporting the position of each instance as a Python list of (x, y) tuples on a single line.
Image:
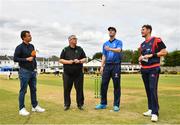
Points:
[(80, 108), (66, 108)]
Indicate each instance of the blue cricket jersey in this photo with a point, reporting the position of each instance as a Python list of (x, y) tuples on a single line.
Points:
[(112, 57)]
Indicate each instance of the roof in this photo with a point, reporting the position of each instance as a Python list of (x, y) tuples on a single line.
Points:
[(93, 63), (5, 57), (97, 63)]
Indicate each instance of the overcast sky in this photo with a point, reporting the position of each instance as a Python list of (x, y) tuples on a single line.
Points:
[(52, 21)]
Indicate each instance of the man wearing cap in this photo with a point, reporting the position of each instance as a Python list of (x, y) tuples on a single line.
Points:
[(72, 57), (111, 68)]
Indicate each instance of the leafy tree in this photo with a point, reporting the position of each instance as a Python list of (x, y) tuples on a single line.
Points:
[(97, 55), (135, 57), (172, 59)]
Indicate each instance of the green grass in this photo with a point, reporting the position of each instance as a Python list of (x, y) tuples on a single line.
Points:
[(50, 96)]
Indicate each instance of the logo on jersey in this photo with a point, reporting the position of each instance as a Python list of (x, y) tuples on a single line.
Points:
[(153, 75), (114, 45), (116, 75)]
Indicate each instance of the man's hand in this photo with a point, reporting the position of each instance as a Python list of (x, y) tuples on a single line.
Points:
[(84, 60), (77, 61), (101, 70), (145, 57), (71, 61), (140, 58), (148, 56), (30, 59), (63, 61), (107, 48), (116, 50)]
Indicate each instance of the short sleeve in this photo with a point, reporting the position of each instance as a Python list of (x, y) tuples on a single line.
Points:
[(119, 44), (83, 54), (103, 50), (160, 44), (62, 55)]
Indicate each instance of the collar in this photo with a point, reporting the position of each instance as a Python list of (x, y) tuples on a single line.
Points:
[(72, 48), (25, 43), (150, 38), (112, 40)]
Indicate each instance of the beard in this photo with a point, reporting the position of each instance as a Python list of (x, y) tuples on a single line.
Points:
[(111, 36), (144, 35)]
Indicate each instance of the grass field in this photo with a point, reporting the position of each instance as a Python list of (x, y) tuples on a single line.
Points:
[(50, 96)]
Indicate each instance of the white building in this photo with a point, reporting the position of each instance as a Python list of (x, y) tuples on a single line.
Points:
[(43, 64), (7, 61)]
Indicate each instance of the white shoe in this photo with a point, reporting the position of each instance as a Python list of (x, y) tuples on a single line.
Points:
[(154, 118), (23, 112), (38, 109), (148, 113)]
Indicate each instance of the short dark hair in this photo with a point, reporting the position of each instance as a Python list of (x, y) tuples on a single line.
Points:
[(23, 33), (147, 26), (112, 28)]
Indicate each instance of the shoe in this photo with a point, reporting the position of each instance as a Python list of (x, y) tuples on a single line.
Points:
[(23, 112), (100, 106), (154, 118), (38, 109), (148, 113), (80, 107), (116, 108), (66, 108)]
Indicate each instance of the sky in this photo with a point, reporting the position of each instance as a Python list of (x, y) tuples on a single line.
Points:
[(52, 21)]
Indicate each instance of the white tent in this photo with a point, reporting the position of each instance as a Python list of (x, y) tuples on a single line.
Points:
[(93, 63)]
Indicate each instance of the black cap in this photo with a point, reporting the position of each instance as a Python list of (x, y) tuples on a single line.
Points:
[(112, 28)]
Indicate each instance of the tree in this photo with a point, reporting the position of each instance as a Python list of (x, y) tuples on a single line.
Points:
[(127, 55), (130, 56), (172, 59), (97, 55), (135, 57)]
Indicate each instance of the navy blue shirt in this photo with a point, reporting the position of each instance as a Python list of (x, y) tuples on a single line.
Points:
[(23, 51), (112, 57)]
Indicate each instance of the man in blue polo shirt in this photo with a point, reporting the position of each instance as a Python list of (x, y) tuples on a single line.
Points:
[(111, 68)]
